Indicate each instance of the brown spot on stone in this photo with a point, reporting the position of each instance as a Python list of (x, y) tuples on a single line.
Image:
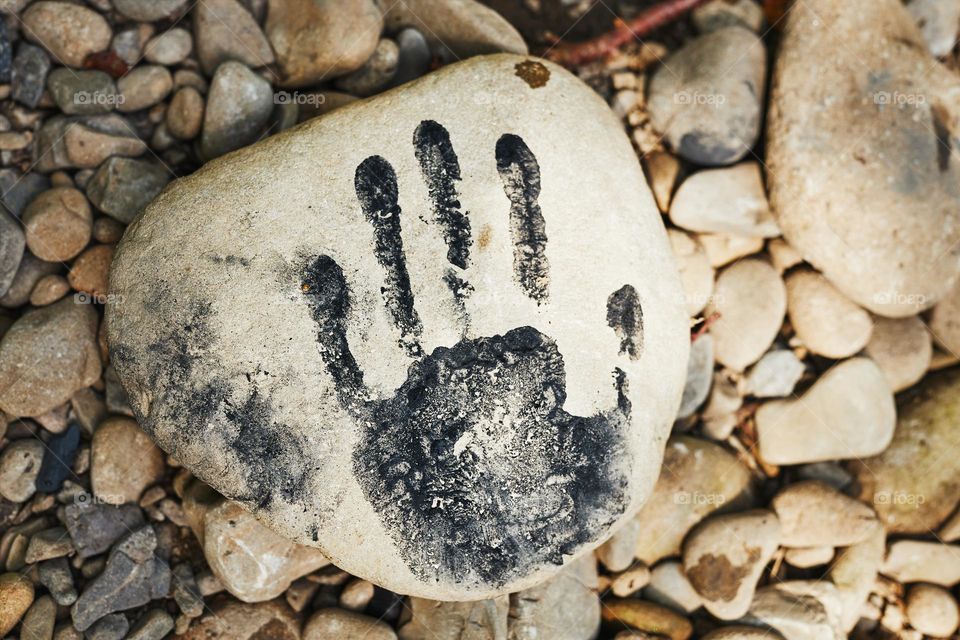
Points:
[(716, 578), (483, 241), (273, 630), (533, 73)]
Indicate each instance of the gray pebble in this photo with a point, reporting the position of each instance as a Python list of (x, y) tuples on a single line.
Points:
[(29, 74), (48, 544), (132, 577), (121, 187), (31, 270), (375, 74), (56, 576), (95, 526), (67, 632), (775, 375), (170, 47), (414, 58), (19, 189), (143, 87), (153, 625), (128, 44), (6, 53), (82, 92), (699, 376), (39, 620), (12, 243), (116, 397), (185, 591), (148, 10), (111, 627), (239, 105)]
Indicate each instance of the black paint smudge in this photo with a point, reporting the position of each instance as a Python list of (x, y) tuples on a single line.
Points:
[(441, 172), (473, 466), (461, 290), (376, 185), (625, 317), (521, 182)]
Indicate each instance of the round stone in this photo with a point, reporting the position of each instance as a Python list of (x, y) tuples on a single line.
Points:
[(451, 368), (902, 349), (123, 461), (19, 466), (90, 271), (58, 224), (185, 114), (170, 47), (70, 32), (48, 290), (932, 610), (824, 319)]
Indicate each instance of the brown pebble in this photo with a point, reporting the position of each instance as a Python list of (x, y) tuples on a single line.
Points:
[(16, 596), (185, 115), (124, 461), (647, 616), (107, 230), (91, 269), (48, 290), (58, 224)]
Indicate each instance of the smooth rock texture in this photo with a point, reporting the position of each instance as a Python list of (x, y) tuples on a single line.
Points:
[(225, 30), (47, 355), (646, 616), (330, 623), (238, 106), (775, 375), (12, 243), (724, 557), (730, 200), (232, 620), (696, 273), (670, 587), (902, 349), (854, 573), (698, 477), (939, 21), (825, 320), (932, 610), (19, 466), (123, 461), (917, 561), (58, 224), (699, 376), (348, 282), (945, 321), (70, 32), (855, 135), (848, 413), (913, 484), (455, 620), (706, 96), (799, 610), (751, 300), (814, 514)]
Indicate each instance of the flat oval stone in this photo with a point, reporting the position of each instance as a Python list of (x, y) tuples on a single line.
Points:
[(411, 334), (861, 176)]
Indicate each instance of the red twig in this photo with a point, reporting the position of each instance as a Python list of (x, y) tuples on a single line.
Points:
[(577, 53), (703, 328)]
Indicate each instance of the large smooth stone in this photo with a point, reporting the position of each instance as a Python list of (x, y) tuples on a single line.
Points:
[(419, 344), (862, 177)]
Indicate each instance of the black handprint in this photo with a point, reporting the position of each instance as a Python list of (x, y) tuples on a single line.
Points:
[(473, 465)]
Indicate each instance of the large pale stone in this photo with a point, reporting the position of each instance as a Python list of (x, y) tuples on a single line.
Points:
[(382, 348), (862, 178)]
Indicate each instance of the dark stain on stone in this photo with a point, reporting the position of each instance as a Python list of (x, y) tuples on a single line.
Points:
[(534, 73), (520, 174), (625, 317), (441, 171), (376, 186), (230, 260), (458, 498), (942, 134), (461, 290), (716, 578)]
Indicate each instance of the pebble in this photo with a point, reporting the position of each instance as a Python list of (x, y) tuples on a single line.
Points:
[(460, 620), (697, 478), (185, 114), (48, 290), (123, 461), (630, 581), (357, 595), (742, 633), (724, 248), (662, 169), (330, 623), (696, 272), (82, 92), (751, 300), (56, 576), (29, 74), (238, 107), (132, 577), (916, 561), (19, 466), (6, 55), (945, 321), (814, 514), (29, 272), (143, 87), (107, 230), (185, 591), (807, 557), (699, 376), (90, 141), (932, 610), (457, 30), (906, 500), (775, 375), (46, 356), (902, 349), (19, 189), (58, 459), (414, 56), (670, 587), (12, 242), (70, 32), (58, 224), (799, 610), (565, 607), (170, 47), (16, 596), (231, 620), (306, 36), (647, 616), (375, 74), (724, 557), (251, 561), (224, 30), (155, 624), (288, 474), (89, 273), (706, 98), (48, 544), (40, 619), (730, 200), (848, 413), (938, 21), (825, 320), (843, 149), (148, 10), (128, 43), (95, 526), (122, 187), (111, 627), (616, 554), (718, 14)]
